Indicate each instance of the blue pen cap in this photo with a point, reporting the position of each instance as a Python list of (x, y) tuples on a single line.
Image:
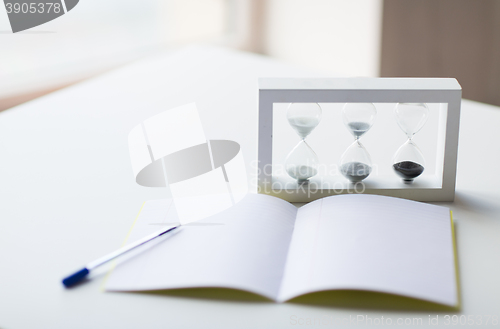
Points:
[(76, 277)]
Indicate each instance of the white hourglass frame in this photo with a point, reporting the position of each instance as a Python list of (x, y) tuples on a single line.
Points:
[(446, 91)]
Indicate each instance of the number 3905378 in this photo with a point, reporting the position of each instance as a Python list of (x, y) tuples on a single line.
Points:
[(26, 7)]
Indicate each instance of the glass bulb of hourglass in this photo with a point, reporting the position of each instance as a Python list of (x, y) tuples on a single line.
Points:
[(356, 163), (304, 117), (409, 162), (411, 117), (359, 117), (302, 163)]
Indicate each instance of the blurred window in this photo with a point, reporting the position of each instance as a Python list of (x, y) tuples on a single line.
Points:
[(100, 34)]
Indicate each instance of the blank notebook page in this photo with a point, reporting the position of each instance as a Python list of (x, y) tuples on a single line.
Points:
[(372, 243), (243, 247)]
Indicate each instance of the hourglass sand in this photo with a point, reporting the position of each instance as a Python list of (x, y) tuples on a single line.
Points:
[(409, 162), (302, 163), (356, 163)]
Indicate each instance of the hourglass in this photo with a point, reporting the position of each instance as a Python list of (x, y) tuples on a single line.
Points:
[(356, 163), (409, 162), (302, 163)]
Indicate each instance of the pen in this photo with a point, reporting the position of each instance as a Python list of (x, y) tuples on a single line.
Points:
[(78, 276)]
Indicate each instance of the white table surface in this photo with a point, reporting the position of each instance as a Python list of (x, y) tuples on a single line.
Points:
[(68, 196)]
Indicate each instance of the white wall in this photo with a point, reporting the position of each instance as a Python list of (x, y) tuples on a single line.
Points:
[(341, 37)]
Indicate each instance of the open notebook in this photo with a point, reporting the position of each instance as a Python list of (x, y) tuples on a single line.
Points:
[(269, 247)]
